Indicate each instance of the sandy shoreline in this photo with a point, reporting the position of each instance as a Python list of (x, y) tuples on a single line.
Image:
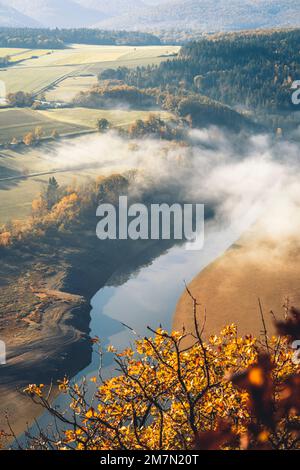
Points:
[(254, 268)]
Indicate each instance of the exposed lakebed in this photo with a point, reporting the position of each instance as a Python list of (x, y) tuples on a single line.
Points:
[(129, 303)]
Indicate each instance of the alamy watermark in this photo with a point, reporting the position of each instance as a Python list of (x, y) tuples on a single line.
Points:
[(2, 353), (296, 355), (296, 94), (159, 222)]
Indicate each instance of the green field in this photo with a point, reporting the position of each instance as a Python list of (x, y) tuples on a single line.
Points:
[(17, 195), (32, 80), (79, 54), (60, 75), (36, 75), (17, 122), (89, 117), (129, 63), (21, 52), (66, 90), (32, 54)]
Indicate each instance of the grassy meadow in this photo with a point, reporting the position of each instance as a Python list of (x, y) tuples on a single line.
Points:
[(31, 79), (20, 54), (17, 122), (17, 195), (47, 67), (89, 117), (67, 89), (58, 75)]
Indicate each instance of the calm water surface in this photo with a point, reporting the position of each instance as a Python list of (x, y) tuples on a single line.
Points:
[(147, 298)]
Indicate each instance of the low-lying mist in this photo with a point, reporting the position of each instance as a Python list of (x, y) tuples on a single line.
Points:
[(245, 179)]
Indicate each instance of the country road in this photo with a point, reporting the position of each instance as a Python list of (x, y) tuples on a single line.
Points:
[(32, 175)]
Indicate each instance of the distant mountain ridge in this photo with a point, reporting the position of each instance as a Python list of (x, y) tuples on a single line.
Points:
[(209, 15), (114, 8), (57, 13), (202, 15), (9, 17)]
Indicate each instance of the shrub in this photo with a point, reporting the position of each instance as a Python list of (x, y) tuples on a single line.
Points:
[(177, 391), (20, 99)]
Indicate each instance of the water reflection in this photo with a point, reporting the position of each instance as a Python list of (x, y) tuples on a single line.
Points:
[(147, 298)]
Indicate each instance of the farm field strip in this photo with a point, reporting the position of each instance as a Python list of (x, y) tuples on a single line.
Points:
[(89, 117), (65, 90), (14, 52), (59, 72), (30, 80), (30, 54), (150, 52), (17, 122), (17, 194), (10, 117), (33, 175), (129, 63), (11, 51), (79, 55), (36, 75)]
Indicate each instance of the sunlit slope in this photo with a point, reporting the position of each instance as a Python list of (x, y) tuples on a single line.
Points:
[(36, 74), (229, 289)]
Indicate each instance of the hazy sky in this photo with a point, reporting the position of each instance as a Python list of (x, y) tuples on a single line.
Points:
[(154, 2)]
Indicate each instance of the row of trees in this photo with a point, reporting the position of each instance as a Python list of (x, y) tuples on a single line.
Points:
[(152, 126), (42, 38), (33, 137), (109, 96), (20, 99), (57, 210), (156, 127)]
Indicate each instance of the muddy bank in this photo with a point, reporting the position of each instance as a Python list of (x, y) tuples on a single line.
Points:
[(43, 326), (45, 292)]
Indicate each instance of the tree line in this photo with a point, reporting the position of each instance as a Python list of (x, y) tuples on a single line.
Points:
[(254, 70), (42, 38)]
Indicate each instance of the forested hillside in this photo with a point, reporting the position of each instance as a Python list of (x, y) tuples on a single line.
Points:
[(60, 38), (145, 15), (252, 70), (208, 15)]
